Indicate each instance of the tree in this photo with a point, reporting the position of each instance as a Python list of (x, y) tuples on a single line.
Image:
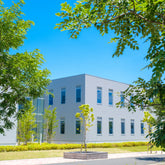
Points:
[(50, 123), (26, 124), (129, 20), (86, 117), (157, 136), (21, 74)]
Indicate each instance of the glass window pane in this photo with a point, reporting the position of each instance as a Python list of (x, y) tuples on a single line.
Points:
[(62, 126), (99, 95), (78, 94), (35, 103), (110, 126), (122, 99), (132, 127), (63, 93), (40, 105), (122, 126), (142, 128), (99, 125), (110, 97), (51, 97), (78, 126)]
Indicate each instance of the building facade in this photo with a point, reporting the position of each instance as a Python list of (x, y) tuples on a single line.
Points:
[(111, 124)]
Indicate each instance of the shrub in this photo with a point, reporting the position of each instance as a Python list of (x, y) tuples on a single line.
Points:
[(46, 146)]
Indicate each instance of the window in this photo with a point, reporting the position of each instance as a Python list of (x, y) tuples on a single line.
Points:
[(78, 126), (132, 127), (78, 94), (28, 98), (62, 126), (122, 99), (110, 126), (99, 124), (110, 97), (122, 126), (51, 97), (142, 127), (149, 129), (99, 95), (63, 93), (142, 106), (20, 106), (131, 101)]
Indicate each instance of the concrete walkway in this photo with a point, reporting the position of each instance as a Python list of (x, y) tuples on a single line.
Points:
[(42, 161)]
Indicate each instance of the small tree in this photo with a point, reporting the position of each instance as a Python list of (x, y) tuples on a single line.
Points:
[(86, 117), (50, 123), (26, 123)]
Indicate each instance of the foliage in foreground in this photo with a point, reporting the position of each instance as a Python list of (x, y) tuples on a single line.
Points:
[(21, 74), (46, 146), (129, 20), (157, 136)]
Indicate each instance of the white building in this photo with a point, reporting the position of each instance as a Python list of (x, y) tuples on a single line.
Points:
[(10, 137), (111, 124)]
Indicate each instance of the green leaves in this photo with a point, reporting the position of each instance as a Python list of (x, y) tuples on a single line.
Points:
[(127, 19), (86, 113), (26, 123), (86, 117), (149, 118), (21, 74), (12, 27), (50, 123)]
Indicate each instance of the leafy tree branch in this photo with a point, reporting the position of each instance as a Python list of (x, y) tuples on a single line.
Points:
[(21, 74)]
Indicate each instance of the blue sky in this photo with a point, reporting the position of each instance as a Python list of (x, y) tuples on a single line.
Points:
[(90, 53)]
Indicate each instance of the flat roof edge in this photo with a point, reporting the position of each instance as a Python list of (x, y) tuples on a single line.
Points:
[(90, 76)]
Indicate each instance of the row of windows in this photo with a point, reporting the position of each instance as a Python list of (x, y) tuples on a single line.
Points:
[(110, 95), (78, 96), (63, 95), (132, 126), (99, 126)]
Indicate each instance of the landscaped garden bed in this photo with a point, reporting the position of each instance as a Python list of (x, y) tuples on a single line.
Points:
[(86, 155)]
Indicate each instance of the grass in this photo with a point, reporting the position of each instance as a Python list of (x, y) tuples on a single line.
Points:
[(59, 153)]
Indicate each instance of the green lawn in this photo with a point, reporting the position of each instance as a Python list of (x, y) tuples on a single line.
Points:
[(59, 153)]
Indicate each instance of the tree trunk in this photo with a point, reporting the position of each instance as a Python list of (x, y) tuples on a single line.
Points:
[(85, 146)]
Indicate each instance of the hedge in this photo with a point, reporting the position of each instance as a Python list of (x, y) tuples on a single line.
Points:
[(47, 146)]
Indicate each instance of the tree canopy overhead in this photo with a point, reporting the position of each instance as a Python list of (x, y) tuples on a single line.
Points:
[(13, 27), (21, 74), (128, 19)]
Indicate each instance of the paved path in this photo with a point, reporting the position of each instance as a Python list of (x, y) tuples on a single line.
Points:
[(141, 160), (155, 157)]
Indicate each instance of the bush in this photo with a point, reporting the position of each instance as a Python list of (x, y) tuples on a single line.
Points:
[(46, 146)]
